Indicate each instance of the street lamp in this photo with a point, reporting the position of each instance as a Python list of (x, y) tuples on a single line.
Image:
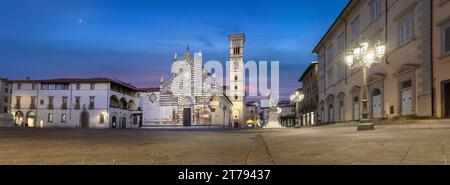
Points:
[(296, 98), (363, 57)]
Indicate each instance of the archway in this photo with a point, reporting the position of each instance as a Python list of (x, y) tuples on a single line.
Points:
[(114, 101), (114, 122), (131, 105), (31, 119), (19, 118), (84, 118), (123, 123), (123, 103)]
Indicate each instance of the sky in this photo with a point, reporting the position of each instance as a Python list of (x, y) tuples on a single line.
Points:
[(135, 40)]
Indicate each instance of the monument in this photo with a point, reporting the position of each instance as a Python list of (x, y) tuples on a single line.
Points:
[(273, 113)]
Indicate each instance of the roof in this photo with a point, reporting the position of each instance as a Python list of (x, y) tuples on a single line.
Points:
[(307, 70), (150, 89), (335, 23), (78, 80)]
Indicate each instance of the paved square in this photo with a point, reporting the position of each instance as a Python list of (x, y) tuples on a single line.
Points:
[(337, 144)]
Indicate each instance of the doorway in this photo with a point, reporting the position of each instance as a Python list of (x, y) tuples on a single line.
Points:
[(84, 119), (114, 122), (330, 114), (123, 123), (31, 119), (446, 99), (187, 117), (356, 108), (407, 102), (376, 104)]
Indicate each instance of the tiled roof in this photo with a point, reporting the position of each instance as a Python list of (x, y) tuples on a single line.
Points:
[(78, 80), (150, 89)]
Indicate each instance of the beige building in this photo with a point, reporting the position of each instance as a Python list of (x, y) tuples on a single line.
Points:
[(309, 106), (441, 56), (5, 95), (399, 83)]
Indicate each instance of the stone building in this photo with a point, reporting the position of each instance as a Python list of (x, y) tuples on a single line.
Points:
[(236, 78), (191, 97), (308, 108), (286, 114), (75, 103), (441, 56), (399, 83)]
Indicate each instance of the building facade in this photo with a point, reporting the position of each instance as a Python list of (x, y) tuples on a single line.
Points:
[(399, 83), (191, 97), (286, 114), (5, 95), (252, 113), (441, 56), (308, 108), (75, 103)]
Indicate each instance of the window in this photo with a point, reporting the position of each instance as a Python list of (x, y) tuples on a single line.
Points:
[(6, 100), (355, 28), (445, 39), (330, 54), (18, 102), (341, 42), (64, 102), (341, 71), (92, 86), (236, 97), (236, 65), (63, 118), (235, 87), (91, 102), (406, 84), (19, 86), (55, 86), (406, 29), (78, 86), (77, 102), (329, 81), (375, 7), (50, 118), (235, 78), (50, 102), (33, 86), (33, 102), (42, 102)]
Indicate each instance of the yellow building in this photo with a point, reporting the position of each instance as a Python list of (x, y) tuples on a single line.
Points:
[(441, 56), (400, 84)]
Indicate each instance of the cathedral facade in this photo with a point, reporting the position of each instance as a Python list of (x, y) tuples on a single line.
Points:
[(192, 96)]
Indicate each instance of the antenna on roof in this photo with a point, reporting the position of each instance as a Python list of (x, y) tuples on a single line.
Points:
[(28, 78)]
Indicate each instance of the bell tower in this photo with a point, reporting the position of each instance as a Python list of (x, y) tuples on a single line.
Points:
[(237, 78)]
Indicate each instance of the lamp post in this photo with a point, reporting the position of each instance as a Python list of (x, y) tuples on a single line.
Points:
[(297, 98), (362, 57)]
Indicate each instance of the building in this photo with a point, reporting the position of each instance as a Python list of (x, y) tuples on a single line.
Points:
[(286, 114), (441, 56), (308, 108), (252, 113), (191, 97), (399, 83), (75, 103), (5, 95), (237, 81)]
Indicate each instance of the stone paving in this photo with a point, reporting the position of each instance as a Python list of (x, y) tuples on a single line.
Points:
[(424, 143)]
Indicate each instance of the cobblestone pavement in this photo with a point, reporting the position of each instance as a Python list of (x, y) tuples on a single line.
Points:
[(338, 144)]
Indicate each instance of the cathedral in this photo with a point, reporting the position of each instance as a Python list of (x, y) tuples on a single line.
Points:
[(192, 96)]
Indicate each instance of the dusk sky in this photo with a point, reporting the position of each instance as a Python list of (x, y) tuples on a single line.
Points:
[(134, 40)]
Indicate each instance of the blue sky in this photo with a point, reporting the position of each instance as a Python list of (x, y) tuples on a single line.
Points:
[(134, 40)]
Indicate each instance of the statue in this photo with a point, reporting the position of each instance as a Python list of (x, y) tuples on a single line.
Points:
[(273, 114)]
